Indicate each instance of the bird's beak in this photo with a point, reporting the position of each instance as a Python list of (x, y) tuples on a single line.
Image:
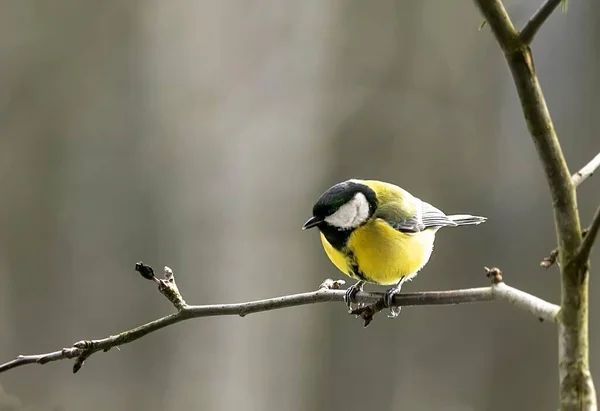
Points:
[(312, 222)]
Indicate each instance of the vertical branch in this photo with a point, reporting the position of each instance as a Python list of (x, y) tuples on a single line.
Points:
[(576, 386)]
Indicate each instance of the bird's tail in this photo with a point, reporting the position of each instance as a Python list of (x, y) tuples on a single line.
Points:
[(466, 219)]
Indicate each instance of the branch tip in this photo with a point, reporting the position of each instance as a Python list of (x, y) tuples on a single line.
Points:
[(166, 285), (552, 259), (537, 20), (145, 270), (549, 261), (78, 364), (586, 171), (329, 284), (494, 274)]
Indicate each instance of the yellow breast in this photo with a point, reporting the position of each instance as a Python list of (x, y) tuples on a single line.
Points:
[(383, 254)]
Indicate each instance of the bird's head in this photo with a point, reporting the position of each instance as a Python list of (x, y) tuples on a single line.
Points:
[(345, 206)]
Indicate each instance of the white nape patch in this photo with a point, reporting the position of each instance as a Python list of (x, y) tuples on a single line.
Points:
[(352, 214)]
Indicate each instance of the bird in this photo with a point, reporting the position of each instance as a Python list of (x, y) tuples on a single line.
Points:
[(376, 232)]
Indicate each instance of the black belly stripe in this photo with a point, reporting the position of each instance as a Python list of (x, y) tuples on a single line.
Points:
[(354, 265), (359, 274), (338, 240)]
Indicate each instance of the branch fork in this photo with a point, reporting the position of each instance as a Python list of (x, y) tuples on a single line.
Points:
[(585, 248), (577, 390), (166, 285)]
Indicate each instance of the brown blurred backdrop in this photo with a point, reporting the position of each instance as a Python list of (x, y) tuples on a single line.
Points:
[(198, 134)]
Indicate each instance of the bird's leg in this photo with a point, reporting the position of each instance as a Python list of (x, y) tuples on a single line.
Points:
[(388, 298), (350, 296)]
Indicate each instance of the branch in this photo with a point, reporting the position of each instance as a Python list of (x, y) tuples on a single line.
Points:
[(542, 309), (586, 171), (536, 21), (577, 178), (539, 123), (328, 292), (576, 384), (583, 254), (541, 128)]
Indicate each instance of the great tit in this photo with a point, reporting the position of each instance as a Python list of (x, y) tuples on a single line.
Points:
[(379, 233)]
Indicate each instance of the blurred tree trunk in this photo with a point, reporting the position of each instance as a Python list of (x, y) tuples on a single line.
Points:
[(77, 197), (237, 227)]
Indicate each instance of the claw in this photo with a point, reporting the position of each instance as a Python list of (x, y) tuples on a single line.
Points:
[(350, 296), (394, 312), (388, 299)]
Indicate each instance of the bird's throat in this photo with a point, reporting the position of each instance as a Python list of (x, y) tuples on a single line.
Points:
[(335, 236)]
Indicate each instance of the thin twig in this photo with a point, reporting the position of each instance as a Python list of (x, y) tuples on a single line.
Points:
[(540, 308), (550, 260), (588, 241), (82, 350), (537, 20), (586, 171)]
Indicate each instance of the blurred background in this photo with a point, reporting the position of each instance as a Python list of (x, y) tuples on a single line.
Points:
[(198, 134)]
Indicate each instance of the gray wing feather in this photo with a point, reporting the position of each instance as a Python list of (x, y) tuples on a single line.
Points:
[(433, 217), (410, 225), (427, 217)]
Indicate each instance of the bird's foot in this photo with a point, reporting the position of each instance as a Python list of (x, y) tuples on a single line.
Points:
[(388, 300), (367, 312), (350, 296)]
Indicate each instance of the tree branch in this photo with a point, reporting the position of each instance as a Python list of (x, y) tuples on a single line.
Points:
[(539, 123), (586, 171), (537, 20), (328, 292), (577, 178), (588, 241), (576, 385), (542, 309)]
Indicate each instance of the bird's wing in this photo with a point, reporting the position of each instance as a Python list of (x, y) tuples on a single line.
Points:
[(433, 217), (418, 218), (402, 216)]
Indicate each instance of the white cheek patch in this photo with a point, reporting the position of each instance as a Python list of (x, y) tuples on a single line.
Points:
[(352, 214)]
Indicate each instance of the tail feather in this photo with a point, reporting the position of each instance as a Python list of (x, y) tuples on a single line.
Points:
[(466, 219)]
